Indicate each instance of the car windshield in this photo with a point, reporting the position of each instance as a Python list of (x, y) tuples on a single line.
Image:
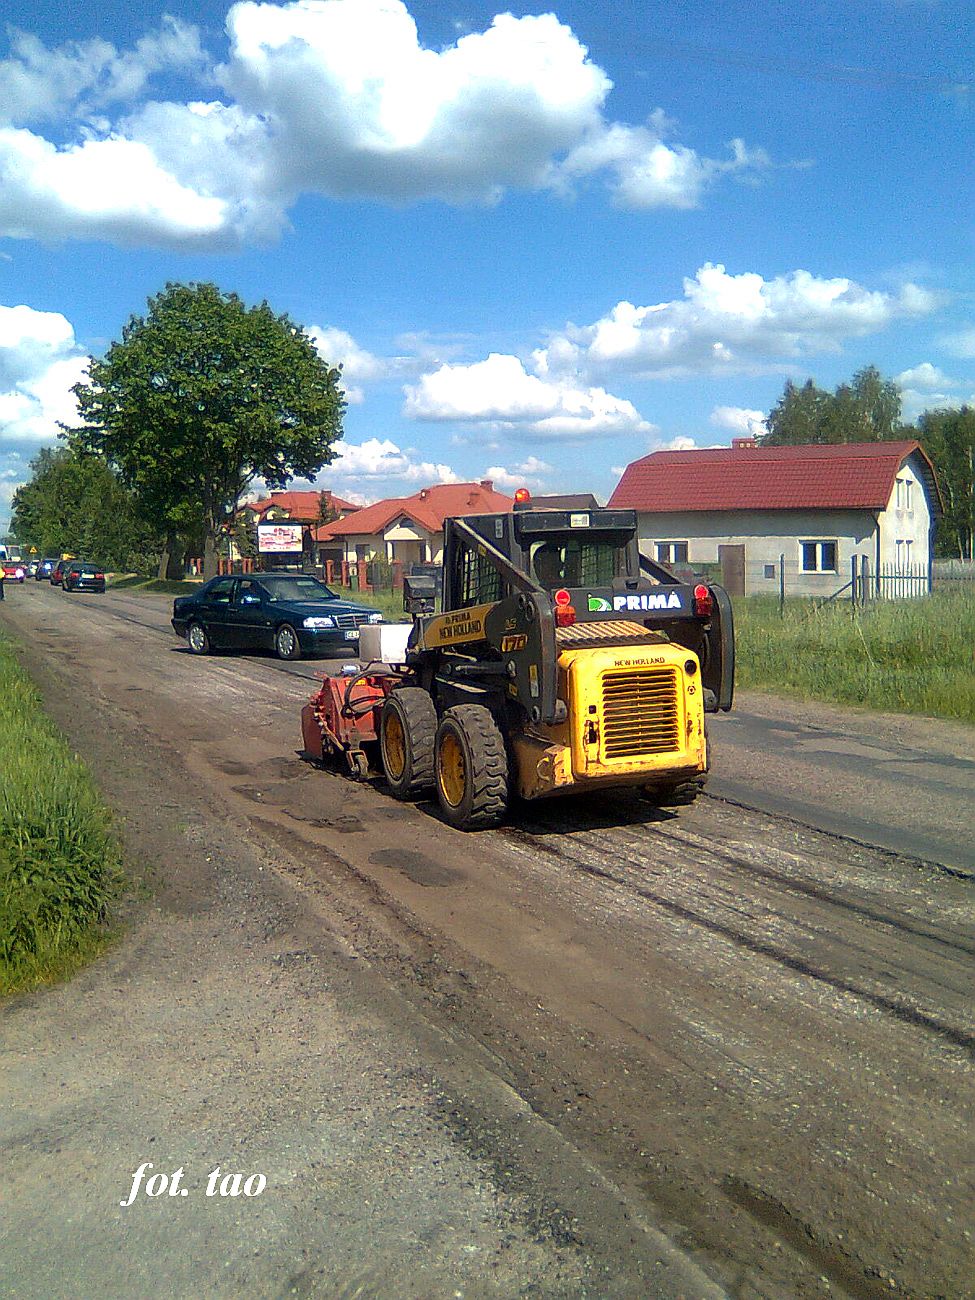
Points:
[(303, 588)]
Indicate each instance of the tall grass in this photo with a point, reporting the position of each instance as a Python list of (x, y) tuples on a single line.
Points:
[(60, 863), (909, 656)]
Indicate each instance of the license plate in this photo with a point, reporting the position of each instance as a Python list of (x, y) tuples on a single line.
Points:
[(352, 634)]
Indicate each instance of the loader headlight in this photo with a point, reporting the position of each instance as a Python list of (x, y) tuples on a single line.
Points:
[(375, 618), (320, 621)]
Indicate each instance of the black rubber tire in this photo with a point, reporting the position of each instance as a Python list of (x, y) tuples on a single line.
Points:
[(413, 709), (484, 800), (679, 794), (292, 648), (201, 647)]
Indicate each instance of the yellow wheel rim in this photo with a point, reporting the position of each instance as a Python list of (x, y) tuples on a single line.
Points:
[(394, 744), (452, 769)]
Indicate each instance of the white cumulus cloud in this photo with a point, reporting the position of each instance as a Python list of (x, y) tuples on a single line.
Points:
[(728, 322), (644, 171), (359, 366), (499, 390), (39, 84), (742, 422), (530, 473), (39, 363), (332, 97), (378, 461), (112, 189), (925, 376)]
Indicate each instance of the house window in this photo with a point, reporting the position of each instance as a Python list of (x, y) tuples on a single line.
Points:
[(818, 556), (902, 554), (902, 499), (672, 552)]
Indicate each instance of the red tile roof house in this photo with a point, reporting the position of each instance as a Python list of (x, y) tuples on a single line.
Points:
[(818, 507), (409, 529), (300, 507), (304, 507)]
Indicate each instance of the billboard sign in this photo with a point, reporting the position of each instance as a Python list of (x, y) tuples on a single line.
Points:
[(279, 539)]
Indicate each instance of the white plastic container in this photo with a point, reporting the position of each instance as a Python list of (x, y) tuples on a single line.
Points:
[(384, 642)]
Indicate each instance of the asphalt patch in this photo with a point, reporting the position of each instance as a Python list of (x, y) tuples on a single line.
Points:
[(416, 866)]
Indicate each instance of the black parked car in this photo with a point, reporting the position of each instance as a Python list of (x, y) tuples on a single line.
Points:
[(289, 613), (78, 575)]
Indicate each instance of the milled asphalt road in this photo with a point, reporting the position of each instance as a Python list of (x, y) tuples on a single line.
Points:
[(234, 1026), (893, 782)]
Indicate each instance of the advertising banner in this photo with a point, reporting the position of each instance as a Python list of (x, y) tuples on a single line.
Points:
[(279, 539)]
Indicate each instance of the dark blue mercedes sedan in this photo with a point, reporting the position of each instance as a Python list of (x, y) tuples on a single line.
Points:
[(290, 613)]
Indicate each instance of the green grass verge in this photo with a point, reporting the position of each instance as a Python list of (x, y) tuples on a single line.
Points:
[(911, 656), (389, 602), (60, 864), (139, 586)]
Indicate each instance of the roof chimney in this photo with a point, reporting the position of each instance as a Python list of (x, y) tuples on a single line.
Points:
[(424, 493), (487, 484), (743, 444)]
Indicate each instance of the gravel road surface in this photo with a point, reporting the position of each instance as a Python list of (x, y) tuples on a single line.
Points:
[(599, 1051)]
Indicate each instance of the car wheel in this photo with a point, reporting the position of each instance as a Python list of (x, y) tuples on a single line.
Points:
[(286, 644), (197, 639)]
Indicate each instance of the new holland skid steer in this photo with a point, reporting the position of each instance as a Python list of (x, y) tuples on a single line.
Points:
[(561, 660)]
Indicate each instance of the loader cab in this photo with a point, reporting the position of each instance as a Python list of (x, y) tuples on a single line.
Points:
[(591, 557)]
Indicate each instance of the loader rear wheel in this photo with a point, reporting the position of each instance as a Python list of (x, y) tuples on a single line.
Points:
[(407, 730), (472, 768)]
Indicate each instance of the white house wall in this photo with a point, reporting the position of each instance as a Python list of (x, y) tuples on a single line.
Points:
[(767, 535), (907, 521)]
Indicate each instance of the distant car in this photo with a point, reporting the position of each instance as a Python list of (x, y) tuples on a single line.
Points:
[(57, 573), (78, 575), (14, 570), (290, 613), (45, 567)]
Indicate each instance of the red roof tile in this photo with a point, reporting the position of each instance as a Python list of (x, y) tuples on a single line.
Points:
[(846, 476), (300, 505), (429, 508)]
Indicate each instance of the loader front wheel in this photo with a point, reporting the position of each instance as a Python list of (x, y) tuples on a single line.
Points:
[(407, 730), (677, 794), (471, 768)]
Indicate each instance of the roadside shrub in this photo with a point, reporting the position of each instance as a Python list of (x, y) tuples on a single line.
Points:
[(60, 864)]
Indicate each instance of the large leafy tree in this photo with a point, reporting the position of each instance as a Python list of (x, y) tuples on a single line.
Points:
[(868, 409), (76, 503), (949, 439), (201, 396)]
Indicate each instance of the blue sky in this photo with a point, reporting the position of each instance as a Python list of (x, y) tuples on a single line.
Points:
[(542, 241)]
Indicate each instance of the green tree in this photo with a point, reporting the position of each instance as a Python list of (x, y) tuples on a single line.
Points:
[(949, 439), (75, 503), (868, 409), (798, 416), (201, 396)]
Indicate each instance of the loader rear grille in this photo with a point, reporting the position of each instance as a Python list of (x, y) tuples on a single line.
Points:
[(640, 713)]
